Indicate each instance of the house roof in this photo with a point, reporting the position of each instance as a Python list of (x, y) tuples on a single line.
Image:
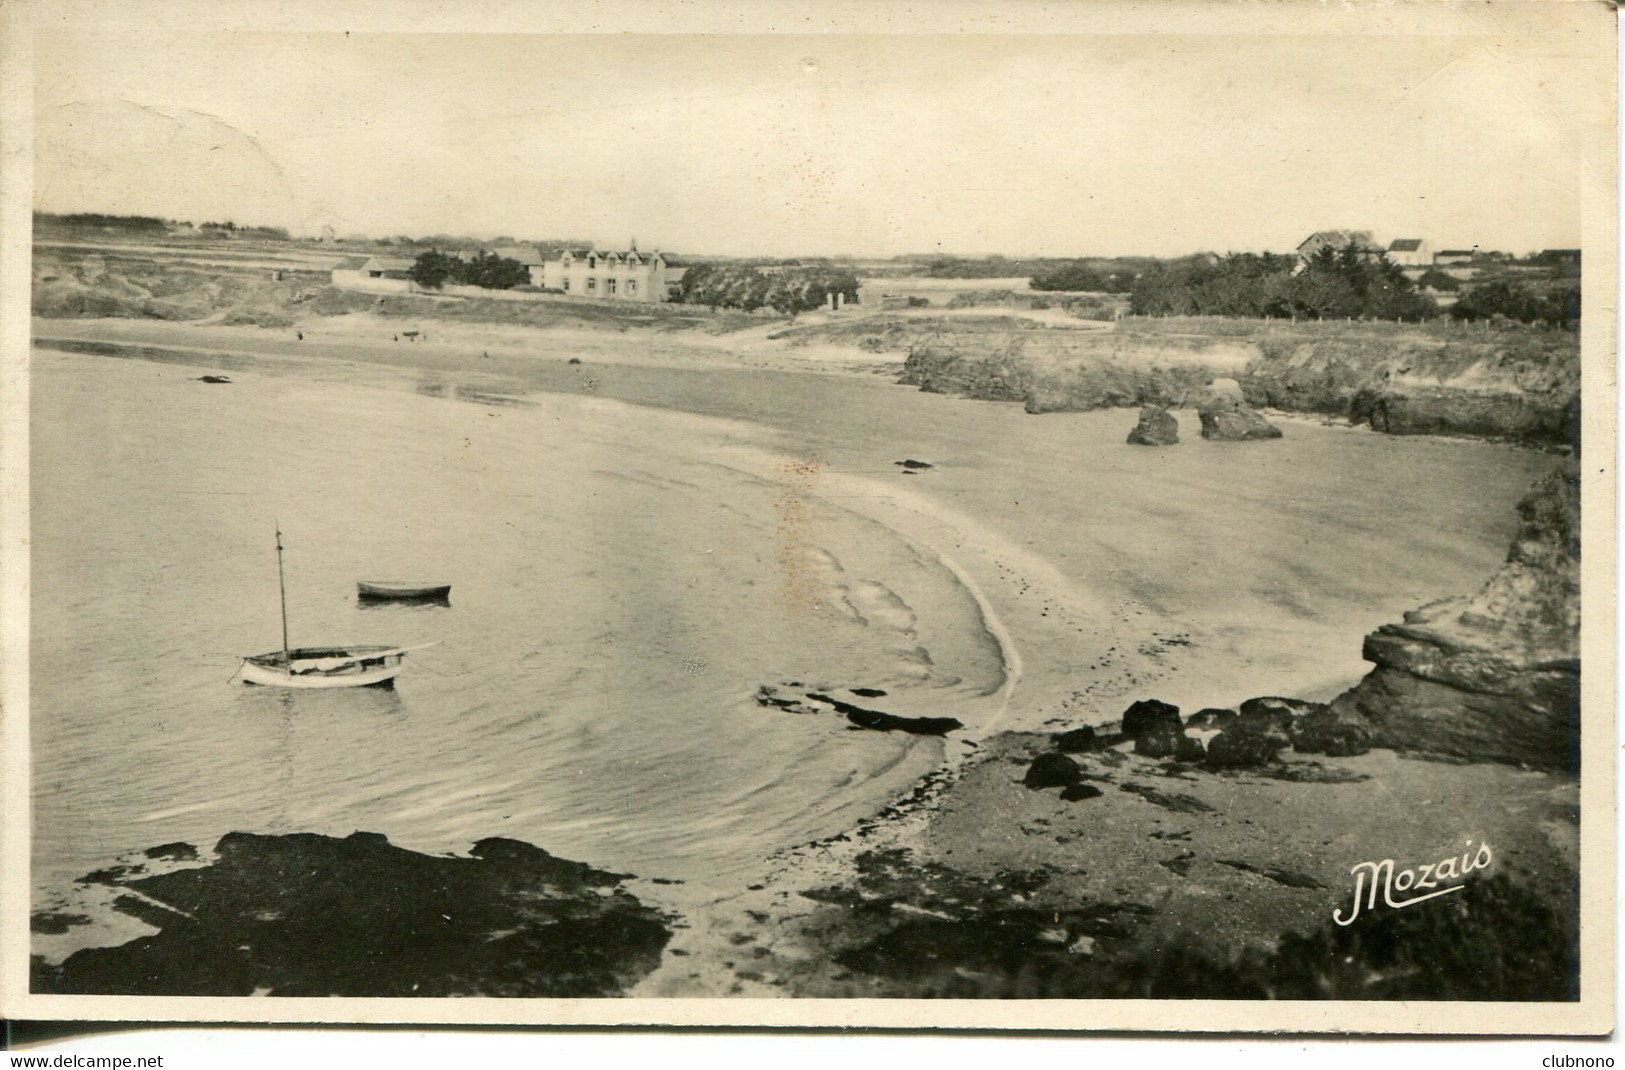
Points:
[(389, 263), (351, 263), (528, 255), (1404, 245), (1454, 252), (646, 258), (1338, 239)]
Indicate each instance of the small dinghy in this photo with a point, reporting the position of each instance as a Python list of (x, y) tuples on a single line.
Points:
[(402, 591), (321, 666)]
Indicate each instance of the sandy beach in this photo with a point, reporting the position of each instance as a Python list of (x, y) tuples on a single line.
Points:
[(1201, 575)]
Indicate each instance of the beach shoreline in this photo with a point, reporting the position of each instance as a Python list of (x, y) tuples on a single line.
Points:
[(1079, 642)]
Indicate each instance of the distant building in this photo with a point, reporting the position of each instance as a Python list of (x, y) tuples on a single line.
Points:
[(528, 255), (388, 267), (1410, 252), (1454, 256), (628, 276), (375, 273), (1337, 241)]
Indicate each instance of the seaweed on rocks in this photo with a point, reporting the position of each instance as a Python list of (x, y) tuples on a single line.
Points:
[(880, 721), (309, 915)]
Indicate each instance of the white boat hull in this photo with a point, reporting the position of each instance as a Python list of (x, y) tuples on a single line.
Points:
[(325, 668)]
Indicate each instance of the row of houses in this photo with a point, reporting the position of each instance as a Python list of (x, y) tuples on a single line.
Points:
[(609, 275), (1406, 252)]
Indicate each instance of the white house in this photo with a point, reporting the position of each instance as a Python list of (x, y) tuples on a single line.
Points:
[(628, 276), (1410, 252)]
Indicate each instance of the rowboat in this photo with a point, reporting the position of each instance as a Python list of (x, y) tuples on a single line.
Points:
[(402, 590), (320, 666)]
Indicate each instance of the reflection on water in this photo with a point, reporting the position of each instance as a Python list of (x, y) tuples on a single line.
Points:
[(619, 603), (442, 601)]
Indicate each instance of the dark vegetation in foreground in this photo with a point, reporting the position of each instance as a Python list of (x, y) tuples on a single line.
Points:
[(310, 915), (970, 938)]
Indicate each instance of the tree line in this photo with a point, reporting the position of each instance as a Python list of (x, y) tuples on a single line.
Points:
[(433, 269), (744, 286), (1334, 284), (1347, 283)]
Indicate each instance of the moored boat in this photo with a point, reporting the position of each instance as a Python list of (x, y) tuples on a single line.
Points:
[(320, 666), (402, 590), (327, 666)]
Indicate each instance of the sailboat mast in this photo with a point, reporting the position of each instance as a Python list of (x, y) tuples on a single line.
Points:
[(287, 651)]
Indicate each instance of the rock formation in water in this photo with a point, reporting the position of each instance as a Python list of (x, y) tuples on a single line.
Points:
[(1521, 385), (310, 915), (1157, 427), (1225, 419), (1495, 676)]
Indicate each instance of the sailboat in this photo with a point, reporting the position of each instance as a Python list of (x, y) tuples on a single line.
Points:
[(321, 666)]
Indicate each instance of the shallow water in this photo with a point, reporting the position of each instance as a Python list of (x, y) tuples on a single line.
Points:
[(626, 576), (617, 599)]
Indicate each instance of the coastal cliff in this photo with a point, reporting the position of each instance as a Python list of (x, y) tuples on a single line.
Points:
[(1406, 379), (1495, 676)]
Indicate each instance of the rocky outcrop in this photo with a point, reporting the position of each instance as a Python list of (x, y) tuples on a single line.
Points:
[(1239, 749), (1157, 427), (880, 721), (310, 915), (1421, 410), (1052, 770), (1076, 741), (1410, 379), (1227, 420), (1495, 676), (1151, 715)]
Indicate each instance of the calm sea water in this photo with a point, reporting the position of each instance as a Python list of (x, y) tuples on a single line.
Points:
[(625, 578), (618, 598)]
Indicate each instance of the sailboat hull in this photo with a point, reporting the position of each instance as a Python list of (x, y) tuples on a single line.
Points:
[(325, 667)]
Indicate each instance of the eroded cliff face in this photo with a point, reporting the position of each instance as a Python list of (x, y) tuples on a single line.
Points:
[(1403, 380), (1495, 676)]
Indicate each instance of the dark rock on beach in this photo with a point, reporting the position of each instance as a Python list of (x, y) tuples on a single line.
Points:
[(1211, 717), (310, 915), (1159, 742), (55, 923), (1076, 741), (1226, 420), (880, 721), (1052, 771), (173, 852), (1323, 733), (890, 722), (1148, 715), (1189, 749), (913, 464), (1080, 791), (1157, 427), (1240, 750)]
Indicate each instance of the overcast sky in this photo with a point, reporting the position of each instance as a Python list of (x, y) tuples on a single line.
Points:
[(1053, 145)]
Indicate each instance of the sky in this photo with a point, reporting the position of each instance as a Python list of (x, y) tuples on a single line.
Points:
[(827, 144)]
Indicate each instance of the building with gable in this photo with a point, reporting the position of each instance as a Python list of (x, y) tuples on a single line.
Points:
[(1410, 252), (1337, 241), (611, 276)]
